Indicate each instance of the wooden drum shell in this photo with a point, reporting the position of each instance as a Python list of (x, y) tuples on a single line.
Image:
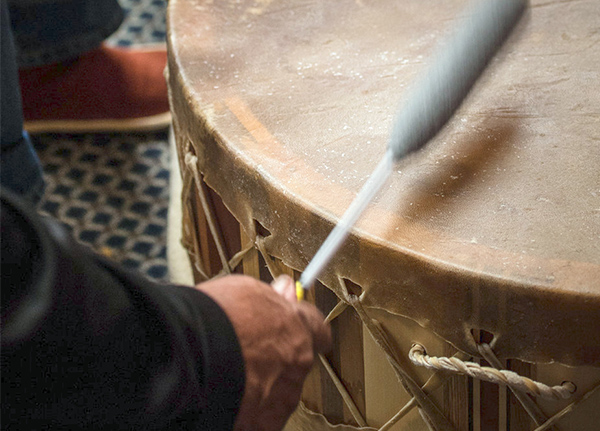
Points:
[(272, 210)]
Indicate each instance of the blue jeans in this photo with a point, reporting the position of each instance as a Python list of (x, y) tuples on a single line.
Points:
[(49, 31), (41, 32)]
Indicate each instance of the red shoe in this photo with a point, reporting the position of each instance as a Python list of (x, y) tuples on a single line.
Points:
[(105, 90)]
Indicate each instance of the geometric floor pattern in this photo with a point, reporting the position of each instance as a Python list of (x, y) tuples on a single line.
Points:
[(145, 22), (112, 190)]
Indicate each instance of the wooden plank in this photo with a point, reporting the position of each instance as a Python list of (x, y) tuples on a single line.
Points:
[(227, 225), (250, 262), (489, 393), (476, 403), (312, 391), (518, 419), (199, 232), (333, 405), (456, 401), (351, 359)]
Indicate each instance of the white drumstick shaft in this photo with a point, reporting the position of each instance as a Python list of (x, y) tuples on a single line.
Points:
[(354, 211), (432, 103)]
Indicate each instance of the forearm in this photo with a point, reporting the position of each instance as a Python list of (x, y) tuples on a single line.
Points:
[(86, 343)]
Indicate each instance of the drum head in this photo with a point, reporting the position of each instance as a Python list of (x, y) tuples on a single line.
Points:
[(494, 225)]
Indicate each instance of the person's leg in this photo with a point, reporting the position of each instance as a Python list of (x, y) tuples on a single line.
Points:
[(53, 31), (104, 90), (20, 168), (71, 82)]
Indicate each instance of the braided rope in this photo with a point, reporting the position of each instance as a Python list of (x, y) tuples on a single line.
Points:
[(419, 356)]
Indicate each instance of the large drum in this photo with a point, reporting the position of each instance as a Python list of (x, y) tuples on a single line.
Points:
[(468, 295)]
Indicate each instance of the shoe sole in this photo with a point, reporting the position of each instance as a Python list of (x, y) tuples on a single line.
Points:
[(144, 124)]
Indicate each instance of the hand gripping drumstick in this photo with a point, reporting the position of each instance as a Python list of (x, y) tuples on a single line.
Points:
[(434, 99)]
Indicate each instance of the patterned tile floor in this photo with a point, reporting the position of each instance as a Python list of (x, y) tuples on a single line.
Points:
[(145, 22), (112, 190)]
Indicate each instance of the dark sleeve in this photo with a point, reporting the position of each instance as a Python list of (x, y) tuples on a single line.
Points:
[(87, 345)]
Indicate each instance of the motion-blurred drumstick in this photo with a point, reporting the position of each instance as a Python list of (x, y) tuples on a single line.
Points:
[(434, 99)]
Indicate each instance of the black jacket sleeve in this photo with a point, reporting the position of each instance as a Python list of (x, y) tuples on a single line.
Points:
[(88, 345)]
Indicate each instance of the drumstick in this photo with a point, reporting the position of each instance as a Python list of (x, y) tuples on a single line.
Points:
[(432, 102)]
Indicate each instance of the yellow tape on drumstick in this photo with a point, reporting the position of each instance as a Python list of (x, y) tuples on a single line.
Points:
[(299, 291)]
